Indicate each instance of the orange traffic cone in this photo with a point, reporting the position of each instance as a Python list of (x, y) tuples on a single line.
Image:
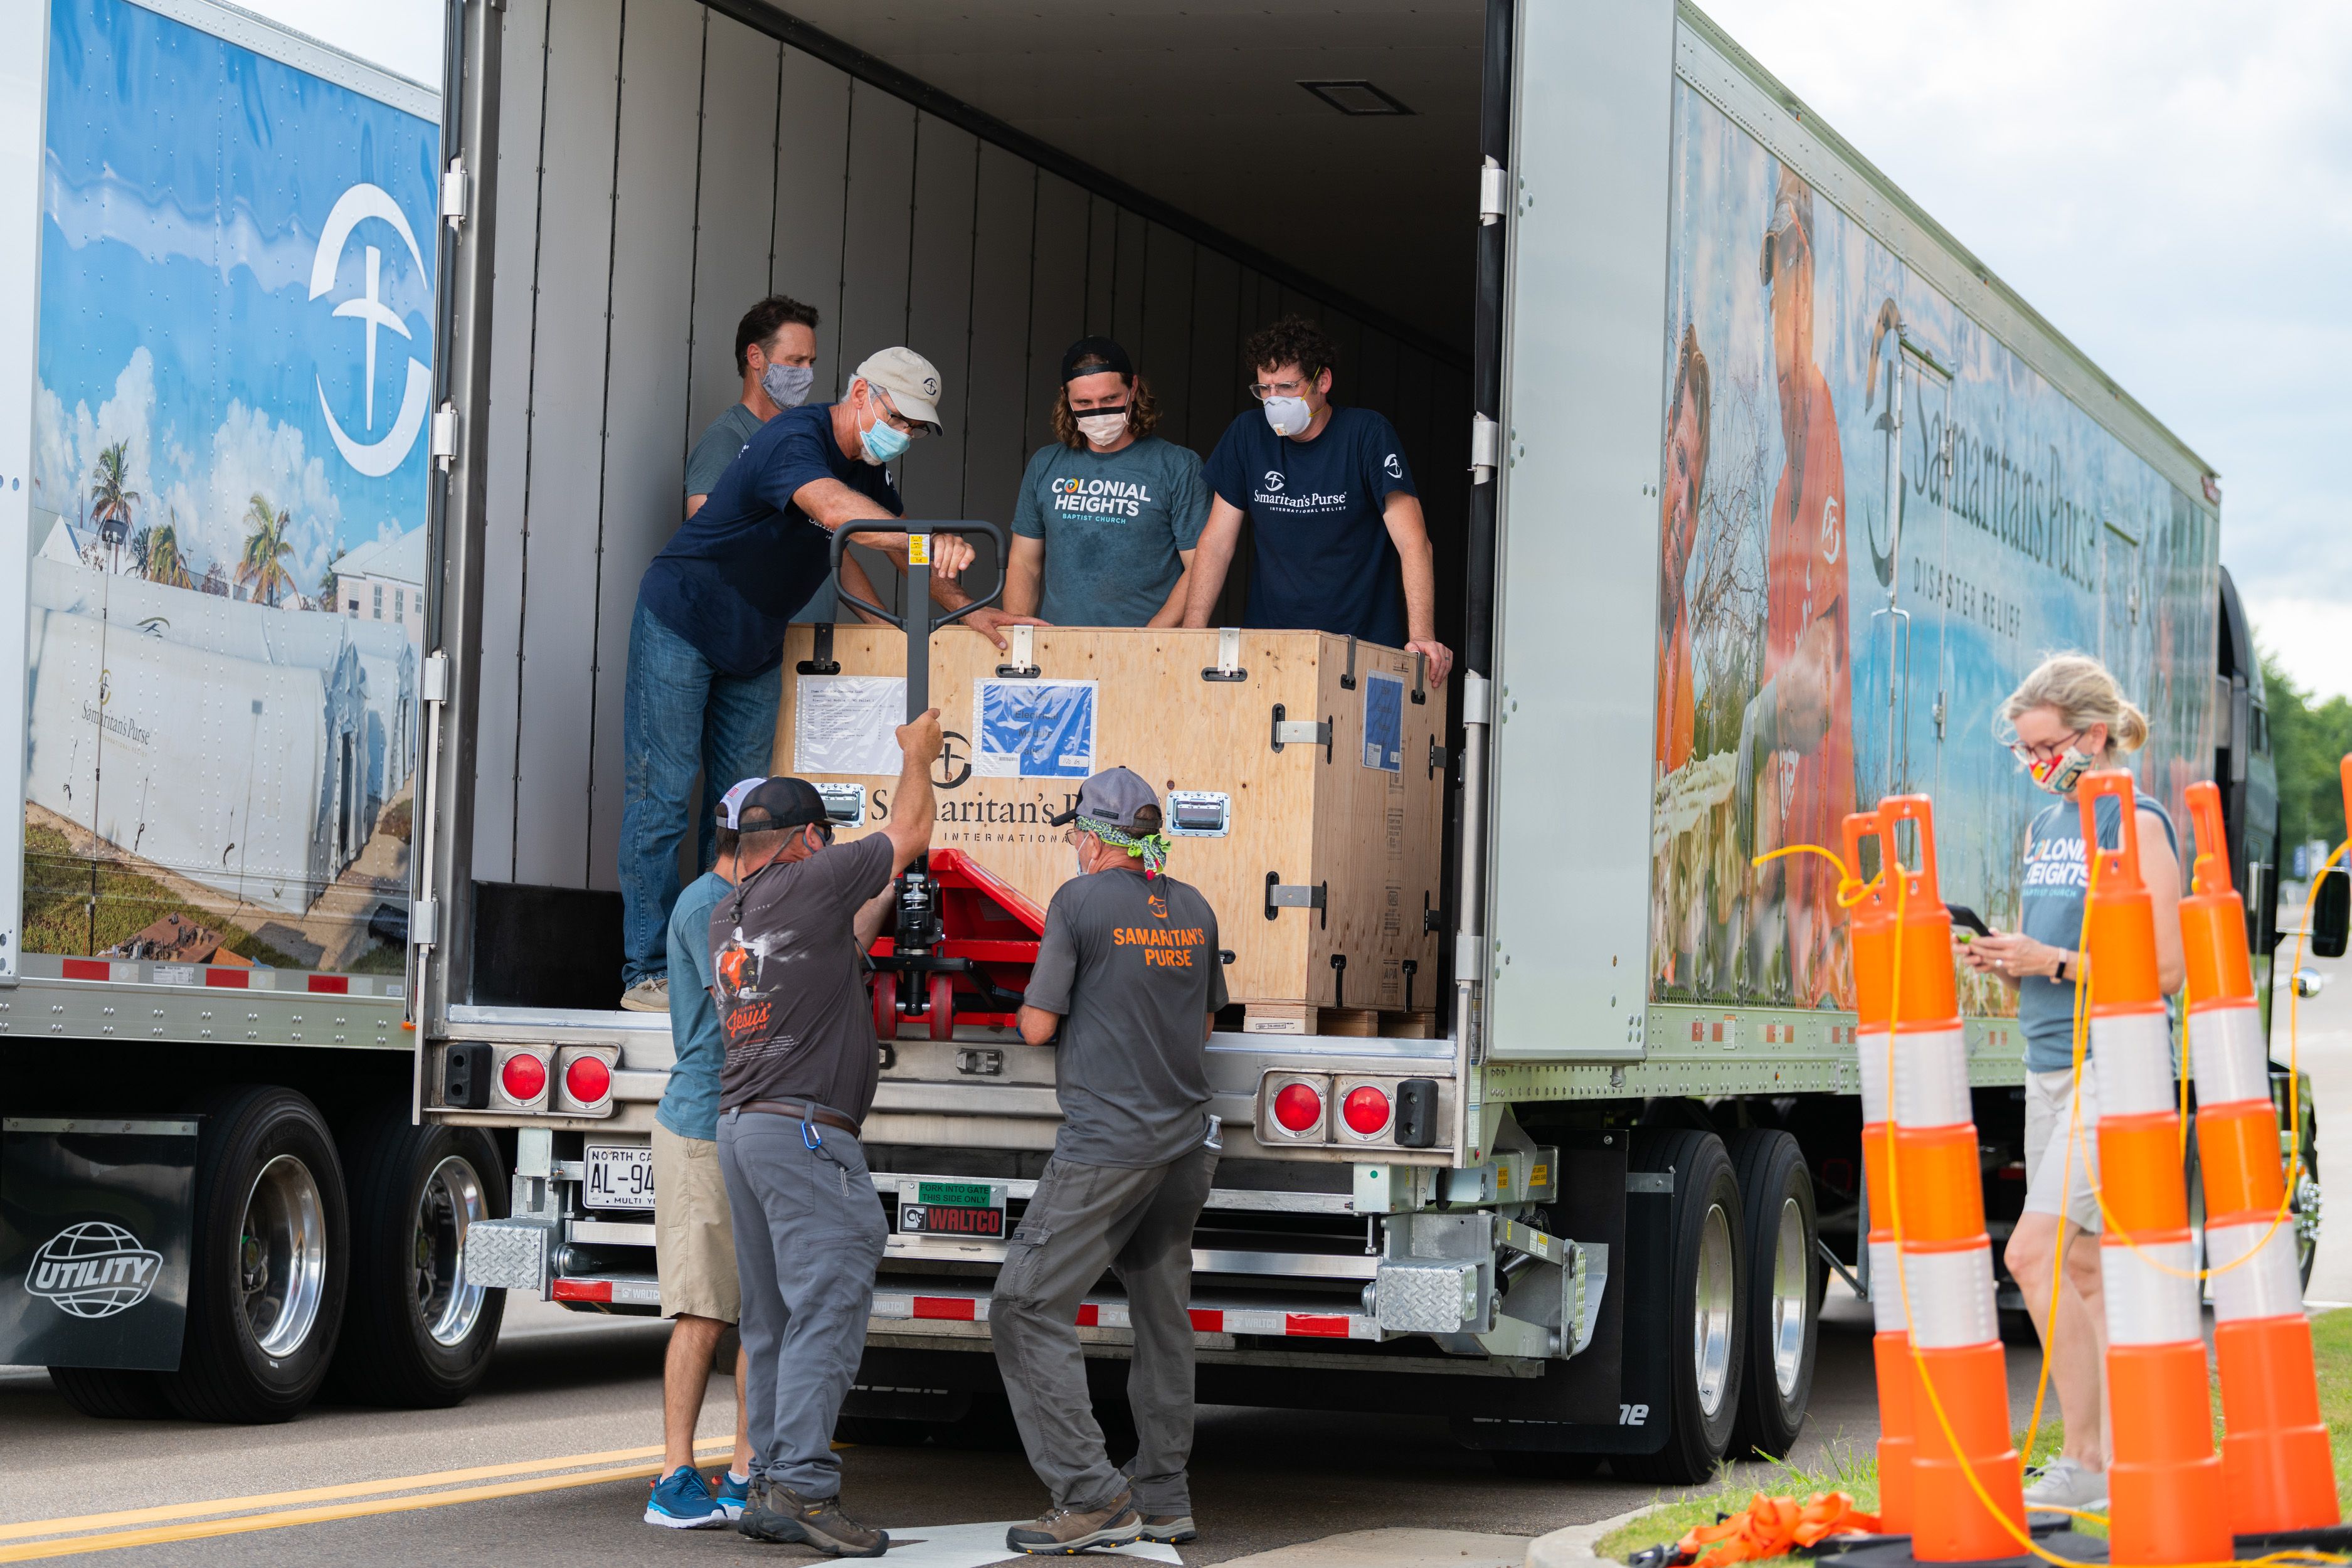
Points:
[(2163, 1480), (1962, 1388), (1872, 918), (2274, 1459)]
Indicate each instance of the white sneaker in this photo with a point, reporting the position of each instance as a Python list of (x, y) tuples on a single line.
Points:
[(648, 995), (2062, 1483)]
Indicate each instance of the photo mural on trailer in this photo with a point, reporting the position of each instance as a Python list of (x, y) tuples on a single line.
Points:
[(1815, 654), (229, 490)]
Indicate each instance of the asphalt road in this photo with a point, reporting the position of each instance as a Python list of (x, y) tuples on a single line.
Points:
[(573, 1396)]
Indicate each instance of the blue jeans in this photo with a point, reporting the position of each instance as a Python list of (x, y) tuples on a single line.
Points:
[(678, 714)]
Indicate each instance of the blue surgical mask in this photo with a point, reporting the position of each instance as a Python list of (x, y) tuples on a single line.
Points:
[(787, 385), (882, 441)]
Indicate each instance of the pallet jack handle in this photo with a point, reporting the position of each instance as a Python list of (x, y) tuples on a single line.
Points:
[(918, 622)]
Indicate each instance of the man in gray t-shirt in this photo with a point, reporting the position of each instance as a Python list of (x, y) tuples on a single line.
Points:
[(1129, 974), (1106, 517)]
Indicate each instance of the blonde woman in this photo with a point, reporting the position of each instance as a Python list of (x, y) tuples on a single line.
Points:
[(2065, 720)]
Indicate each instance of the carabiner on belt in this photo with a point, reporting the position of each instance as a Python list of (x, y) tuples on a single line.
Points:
[(810, 1137)]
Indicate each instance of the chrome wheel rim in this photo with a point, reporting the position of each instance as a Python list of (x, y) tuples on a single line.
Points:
[(448, 1303), (282, 1256), (1711, 1310), (1792, 1298)]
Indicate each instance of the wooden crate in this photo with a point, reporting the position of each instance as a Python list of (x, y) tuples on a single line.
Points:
[(1310, 815)]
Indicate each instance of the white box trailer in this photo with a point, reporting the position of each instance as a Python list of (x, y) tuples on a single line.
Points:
[(1524, 225)]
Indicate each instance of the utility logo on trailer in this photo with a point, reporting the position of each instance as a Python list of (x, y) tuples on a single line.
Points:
[(93, 1270), (357, 205)]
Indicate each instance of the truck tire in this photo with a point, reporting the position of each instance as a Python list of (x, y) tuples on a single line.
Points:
[(267, 1260), (1704, 1348), (109, 1394), (1783, 1318), (415, 1334)]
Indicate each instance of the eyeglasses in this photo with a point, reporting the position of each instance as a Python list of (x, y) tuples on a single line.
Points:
[(2047, 752), (897, 420), (1262, 390)]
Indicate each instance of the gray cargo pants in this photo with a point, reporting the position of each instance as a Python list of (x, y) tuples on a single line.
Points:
[(808, 1236), (1137, 1223)]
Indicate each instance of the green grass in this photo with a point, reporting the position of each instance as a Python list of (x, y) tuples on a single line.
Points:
[(58, 917), (1857, 1473)]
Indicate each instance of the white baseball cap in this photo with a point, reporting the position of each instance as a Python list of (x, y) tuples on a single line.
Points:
[(912, 381)]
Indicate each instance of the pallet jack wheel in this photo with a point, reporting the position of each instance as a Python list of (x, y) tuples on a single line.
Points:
[(943, 1006), (885, 1007)]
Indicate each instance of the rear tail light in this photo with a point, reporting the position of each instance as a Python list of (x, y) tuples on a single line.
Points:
[(584, 1084), (1294, 1108), (1366, 1110), (522, 1078)]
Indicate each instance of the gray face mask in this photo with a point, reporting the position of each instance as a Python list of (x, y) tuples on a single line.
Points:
[(787, 385)]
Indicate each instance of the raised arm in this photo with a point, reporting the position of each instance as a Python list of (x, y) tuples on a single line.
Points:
[(1211, 559), (910, 828)]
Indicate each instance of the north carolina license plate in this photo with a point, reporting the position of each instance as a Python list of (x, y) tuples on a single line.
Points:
[(954, 1209), (620, 1178)]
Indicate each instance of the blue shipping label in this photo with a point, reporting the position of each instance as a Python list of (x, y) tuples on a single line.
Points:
[(1384, 722), (1034, 729)]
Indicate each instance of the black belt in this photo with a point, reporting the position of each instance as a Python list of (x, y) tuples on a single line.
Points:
[(800, 1112)]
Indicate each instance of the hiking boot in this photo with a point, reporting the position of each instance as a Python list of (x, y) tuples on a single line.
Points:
[(1067, 1531), (778, 1513), (1169, 1528), (2064, 1484), (650, 996)]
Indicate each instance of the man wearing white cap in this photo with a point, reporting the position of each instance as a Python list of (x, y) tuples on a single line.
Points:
[(705, 649)]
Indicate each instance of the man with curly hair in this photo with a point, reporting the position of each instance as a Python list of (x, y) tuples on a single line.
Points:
[(1336, 540), (1108, 514)]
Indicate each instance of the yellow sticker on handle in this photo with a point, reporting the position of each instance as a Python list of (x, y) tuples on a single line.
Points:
[(918, 549)]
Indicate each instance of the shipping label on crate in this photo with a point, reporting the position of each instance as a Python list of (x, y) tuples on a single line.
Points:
[(1032, 729), (848, 723), (1384, 722)]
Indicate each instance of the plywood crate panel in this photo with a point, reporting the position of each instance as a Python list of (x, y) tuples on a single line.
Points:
[(1310, 815)]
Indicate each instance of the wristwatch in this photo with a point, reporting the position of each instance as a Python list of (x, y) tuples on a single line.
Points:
[(2059, 974)]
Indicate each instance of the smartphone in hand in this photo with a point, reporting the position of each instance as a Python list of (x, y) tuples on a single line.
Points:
[(1971, 924)]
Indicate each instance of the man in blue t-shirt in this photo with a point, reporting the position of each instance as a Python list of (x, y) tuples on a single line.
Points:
[(1337, 542), (705, 649)]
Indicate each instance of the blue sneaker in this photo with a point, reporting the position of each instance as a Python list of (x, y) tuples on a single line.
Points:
[(734, 1491), (681, 1501)]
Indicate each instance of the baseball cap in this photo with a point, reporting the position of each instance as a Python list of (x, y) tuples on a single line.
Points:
[(1116, 796), (1097, 355), (760, 805), (912, 381)]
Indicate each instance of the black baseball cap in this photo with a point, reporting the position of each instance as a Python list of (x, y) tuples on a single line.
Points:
[(1096, 355), (766, 805)]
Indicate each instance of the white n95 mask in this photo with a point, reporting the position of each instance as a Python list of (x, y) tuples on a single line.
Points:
[(1103, 426), (1289, 416)]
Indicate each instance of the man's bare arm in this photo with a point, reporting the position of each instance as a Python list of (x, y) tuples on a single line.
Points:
[(1171, 613), (1409, 531), (1037, 1026), (1025, 574), (910, 828), (873, 915), (1213, 557)]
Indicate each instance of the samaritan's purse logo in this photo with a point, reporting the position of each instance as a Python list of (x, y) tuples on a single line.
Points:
[(355, 206), (93, 1270)]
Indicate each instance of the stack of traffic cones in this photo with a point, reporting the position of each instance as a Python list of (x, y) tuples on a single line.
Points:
[(1963, 1457), (1872, 917), (2274, 1459), (2163, 1480)]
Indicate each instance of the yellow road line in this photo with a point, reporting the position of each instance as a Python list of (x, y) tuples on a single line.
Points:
[(245, 1523), (704, 1449)]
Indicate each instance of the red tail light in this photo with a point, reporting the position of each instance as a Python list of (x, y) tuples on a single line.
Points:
[(1298, 1108), (524, 1078), (1366, 1110), (588, 1079)]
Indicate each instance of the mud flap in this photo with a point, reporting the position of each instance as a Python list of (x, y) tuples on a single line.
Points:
[(94, 1228)]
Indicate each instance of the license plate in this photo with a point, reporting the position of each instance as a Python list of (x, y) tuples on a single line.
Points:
[(954, 1209), (620, 1178)]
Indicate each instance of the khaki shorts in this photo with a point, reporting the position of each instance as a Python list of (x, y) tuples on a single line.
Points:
[(693, 1239), (2048, 1168)]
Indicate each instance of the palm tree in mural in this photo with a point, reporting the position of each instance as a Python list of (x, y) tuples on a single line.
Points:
[(161, 560), (111, 489), (139, 542), (263, 566)]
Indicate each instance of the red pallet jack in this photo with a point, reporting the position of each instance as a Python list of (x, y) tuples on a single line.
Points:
[(965, 938)]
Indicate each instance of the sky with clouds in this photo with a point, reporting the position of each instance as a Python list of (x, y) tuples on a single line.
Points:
[(2168, 181)]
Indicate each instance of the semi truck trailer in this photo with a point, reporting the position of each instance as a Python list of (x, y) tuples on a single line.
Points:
[(357, 407)]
